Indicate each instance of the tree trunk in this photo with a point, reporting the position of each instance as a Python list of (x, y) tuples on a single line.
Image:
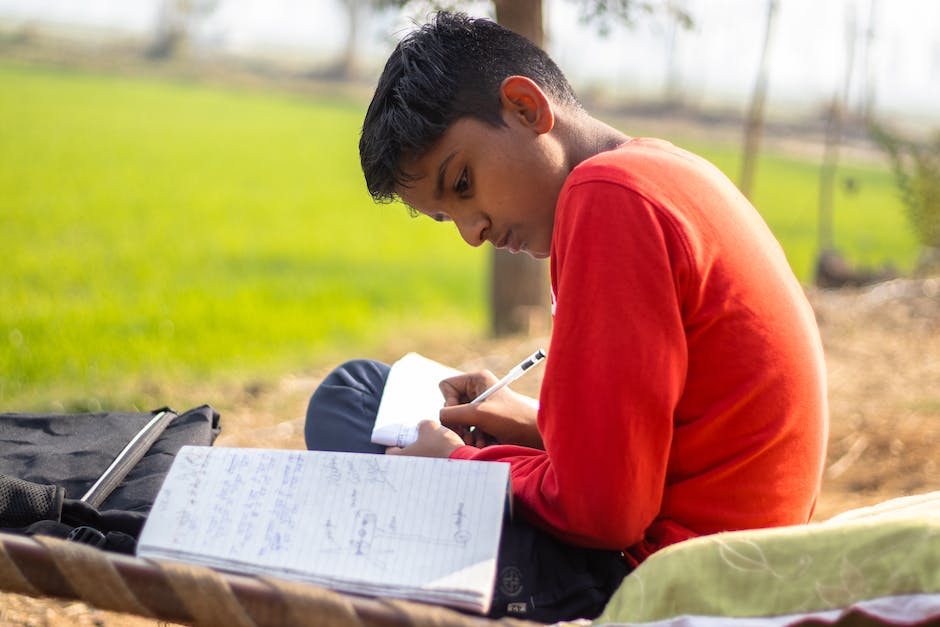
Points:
[(523, 17), (866, 107), (346, 67), (170, 33), (519, 286), (672, 88), (834, 124), (754, 126)]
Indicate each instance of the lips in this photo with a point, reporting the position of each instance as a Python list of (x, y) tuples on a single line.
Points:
[(508, 242)]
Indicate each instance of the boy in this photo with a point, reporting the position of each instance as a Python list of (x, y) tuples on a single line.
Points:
[(684, 391)]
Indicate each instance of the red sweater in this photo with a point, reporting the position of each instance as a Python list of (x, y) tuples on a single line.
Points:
[(684, 391)]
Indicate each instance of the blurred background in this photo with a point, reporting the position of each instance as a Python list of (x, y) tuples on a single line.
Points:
[(182, 210), (183, 219), (707, 52)]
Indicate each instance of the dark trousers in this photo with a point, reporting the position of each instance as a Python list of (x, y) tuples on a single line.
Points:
[(342, 410), (538, 577)]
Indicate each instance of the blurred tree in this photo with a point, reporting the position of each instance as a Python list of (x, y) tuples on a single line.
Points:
[(754, 124), (866, 103), (916, 167), (346, 67), (176, 20), (673, 94), (357, 15), (604, 13), (835, 122), (519, 283)]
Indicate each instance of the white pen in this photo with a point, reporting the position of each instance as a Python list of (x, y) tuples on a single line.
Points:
[(512, 375)]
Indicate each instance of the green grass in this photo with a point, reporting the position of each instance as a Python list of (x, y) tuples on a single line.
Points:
[(868, 223), (154, 231)]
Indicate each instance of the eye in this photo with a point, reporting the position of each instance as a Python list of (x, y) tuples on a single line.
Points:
[(462, 186), (440, 217)]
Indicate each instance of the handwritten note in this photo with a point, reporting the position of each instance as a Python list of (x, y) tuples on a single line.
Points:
[(419, 528), (411, 395)]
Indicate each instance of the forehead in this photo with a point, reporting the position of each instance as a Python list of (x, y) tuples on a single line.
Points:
[(427, 169), (461, 134)]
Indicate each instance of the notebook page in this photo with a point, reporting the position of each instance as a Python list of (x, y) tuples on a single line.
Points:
[(411, 395), (357, 522)]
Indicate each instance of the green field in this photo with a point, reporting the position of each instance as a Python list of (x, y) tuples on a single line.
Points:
[(159, 231), (153, 231), (868, 227)]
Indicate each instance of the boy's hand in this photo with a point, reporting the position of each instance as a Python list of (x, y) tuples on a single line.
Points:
[(504, 418), (433, 440)]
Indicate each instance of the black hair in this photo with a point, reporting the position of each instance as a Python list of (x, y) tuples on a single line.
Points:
[(449, 68)]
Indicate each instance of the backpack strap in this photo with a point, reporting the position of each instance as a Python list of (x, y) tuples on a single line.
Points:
[(24, 502), (128, 457)]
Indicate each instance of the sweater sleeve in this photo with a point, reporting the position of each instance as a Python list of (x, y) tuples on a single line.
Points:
[(614, 374)]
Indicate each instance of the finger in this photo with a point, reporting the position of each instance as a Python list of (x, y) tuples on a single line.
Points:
[(453, 390), (461, 388), (458, 417), (483, 439), (394, 450), (450, 394), (427, 426), (466, 435), (430, 429)]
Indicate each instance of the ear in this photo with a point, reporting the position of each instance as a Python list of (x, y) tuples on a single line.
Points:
[(524, 100)]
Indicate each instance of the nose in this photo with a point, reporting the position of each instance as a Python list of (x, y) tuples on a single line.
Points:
[(473, 228)]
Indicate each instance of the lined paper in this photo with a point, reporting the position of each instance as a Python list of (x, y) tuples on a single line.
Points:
[(409, 527)]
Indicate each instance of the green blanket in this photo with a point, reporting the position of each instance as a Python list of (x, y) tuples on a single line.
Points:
[(882, 551)]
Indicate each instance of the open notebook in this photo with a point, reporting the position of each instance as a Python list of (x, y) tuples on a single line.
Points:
[(408, 527)]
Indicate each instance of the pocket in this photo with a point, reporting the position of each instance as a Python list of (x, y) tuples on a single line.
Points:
[(541, 578)]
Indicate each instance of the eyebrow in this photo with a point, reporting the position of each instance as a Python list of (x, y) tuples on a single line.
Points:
[(439, 190)]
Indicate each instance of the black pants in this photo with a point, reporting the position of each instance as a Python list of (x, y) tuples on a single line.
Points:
[(538, 577)]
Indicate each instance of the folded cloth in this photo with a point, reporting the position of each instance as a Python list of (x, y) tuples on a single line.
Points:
[(890, 551)]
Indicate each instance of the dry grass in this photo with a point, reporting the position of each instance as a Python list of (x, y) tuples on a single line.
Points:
[(883, 357)]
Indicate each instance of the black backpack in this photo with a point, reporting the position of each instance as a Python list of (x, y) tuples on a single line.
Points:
[(91, 477)]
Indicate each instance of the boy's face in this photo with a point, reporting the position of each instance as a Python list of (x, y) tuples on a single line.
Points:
[(495, 184)]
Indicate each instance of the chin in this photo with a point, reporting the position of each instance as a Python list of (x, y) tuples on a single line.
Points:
[(537, 254)]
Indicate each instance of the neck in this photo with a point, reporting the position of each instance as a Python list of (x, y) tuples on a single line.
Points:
[(587, 136)]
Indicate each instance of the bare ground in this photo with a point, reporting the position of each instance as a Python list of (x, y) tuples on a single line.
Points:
[(883, 357)]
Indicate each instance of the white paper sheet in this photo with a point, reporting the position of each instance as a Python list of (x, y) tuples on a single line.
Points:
[(411, 395)]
